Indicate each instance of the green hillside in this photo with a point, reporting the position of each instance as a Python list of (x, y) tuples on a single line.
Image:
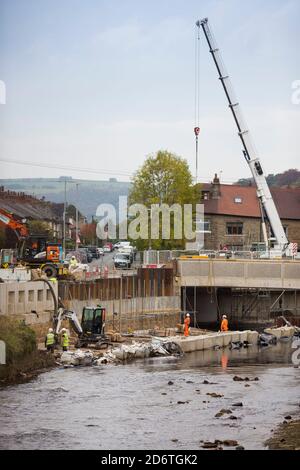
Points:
[(90, 193)]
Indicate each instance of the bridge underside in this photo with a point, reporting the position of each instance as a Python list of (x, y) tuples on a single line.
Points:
[(249, 292), (249, 307)]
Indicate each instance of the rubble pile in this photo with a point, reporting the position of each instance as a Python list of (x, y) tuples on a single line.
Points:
[(77, 358), (139, 351)]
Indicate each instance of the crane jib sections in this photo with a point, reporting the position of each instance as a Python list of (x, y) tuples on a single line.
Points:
[(249, 151)]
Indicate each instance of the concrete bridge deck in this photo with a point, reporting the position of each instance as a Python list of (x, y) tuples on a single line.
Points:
[(265, 274)]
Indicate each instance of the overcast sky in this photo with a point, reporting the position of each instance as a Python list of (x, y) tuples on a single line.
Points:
[(103, 83)]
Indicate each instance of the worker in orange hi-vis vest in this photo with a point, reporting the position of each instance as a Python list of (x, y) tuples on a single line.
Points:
[(187, 322), (224, 324)]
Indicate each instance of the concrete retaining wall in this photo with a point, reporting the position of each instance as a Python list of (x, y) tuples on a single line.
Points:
[(137, 313), (209, 341), (17, 298), (16, 274)]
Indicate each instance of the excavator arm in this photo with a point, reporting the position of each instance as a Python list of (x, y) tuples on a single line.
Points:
[(67, 315), (18, 227)]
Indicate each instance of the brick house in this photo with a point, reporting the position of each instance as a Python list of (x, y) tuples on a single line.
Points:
[(233, 217)]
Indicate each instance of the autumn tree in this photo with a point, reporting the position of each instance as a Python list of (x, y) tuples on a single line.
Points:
[(164, 178)]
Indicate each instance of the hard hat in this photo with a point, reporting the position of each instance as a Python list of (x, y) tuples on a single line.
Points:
[(187, 314), (73, 257), (224, 316), (63, 330), (50, 330)]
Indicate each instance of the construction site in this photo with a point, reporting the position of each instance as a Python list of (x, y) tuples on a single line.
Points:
[(126, 337)]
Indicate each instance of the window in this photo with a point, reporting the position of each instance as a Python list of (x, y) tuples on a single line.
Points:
[(238, 200), (203, 226), (206, 226), (205, 195), (286, 230), (31, 295), (40, 295), (234, 228)]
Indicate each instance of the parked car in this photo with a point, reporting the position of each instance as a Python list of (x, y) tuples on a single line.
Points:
[(122, 260), (108, 247), (100, 251), (120, 244), (87, 254), (93, 250)]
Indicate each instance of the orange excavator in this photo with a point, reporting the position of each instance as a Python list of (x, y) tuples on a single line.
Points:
[(34, 250), (17, 226)]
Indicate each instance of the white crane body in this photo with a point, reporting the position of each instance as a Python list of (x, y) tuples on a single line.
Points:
[(249, 151)]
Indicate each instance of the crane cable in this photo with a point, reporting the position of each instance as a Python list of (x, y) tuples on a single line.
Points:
[(197, 94)]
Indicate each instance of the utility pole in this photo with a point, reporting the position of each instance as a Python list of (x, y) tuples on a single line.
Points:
[(150, 212), (77, 217), (64, 219)]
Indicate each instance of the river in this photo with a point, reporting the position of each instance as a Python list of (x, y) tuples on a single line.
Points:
[(133, 406)]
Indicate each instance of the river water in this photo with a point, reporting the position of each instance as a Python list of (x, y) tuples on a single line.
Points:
[(133, 407)]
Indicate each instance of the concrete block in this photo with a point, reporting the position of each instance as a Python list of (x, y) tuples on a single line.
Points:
[(200, 343), (235, 336), (187, 344), (243, 336), (277, 332), (208, 342), (226, 339), (252, 337), (218, 340), (288, 331)]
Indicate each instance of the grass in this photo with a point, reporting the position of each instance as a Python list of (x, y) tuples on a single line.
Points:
[(22, 357)]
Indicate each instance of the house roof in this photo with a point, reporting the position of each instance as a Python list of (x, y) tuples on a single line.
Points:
[(243, 201), (28, 207)]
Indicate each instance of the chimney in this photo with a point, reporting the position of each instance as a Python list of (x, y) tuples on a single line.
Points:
[(216, 188)]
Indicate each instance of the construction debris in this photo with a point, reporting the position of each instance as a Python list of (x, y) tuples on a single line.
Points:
[(77, 358), (136, 350)]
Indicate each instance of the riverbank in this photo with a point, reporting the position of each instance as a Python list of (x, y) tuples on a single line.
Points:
[(23, 360), (286, 436)]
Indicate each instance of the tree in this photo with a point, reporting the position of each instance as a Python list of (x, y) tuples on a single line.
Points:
[(164, 178), (88, 234), (39, 227)]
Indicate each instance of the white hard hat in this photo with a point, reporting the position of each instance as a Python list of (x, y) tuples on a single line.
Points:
[(50, 330), (63, 330), (73, 257), (187, 314), (224, 316)]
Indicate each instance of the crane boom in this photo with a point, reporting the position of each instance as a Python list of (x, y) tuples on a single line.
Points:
[(249, 151)]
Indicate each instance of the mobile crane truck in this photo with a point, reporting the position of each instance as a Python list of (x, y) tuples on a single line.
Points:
[(281, 247)]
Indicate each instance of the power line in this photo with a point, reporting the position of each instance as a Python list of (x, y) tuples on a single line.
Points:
[(203, 179), (67, 167)]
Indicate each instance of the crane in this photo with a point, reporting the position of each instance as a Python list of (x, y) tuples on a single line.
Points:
[(281, 245)]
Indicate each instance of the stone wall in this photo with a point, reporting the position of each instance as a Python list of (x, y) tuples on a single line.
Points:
[(251, 232)]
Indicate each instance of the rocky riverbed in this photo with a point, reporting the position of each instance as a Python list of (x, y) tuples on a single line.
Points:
[(209, 399)]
